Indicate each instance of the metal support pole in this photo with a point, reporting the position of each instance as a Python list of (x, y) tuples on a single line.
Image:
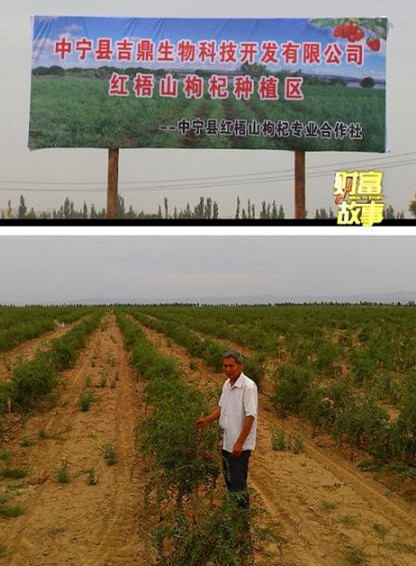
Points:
[(300, 211), (112, 182)]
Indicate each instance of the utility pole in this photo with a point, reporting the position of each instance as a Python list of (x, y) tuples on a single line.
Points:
[(112, 182), (300, 211)]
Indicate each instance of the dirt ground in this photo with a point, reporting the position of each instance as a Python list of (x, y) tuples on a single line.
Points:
[(76, 523), (328, 511)]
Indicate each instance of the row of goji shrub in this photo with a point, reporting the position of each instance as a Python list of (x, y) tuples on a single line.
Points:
[(210, 351), (34, 379), (191, 530), (18, 324), (351, 415)]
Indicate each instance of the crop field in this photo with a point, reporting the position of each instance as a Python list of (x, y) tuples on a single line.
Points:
[(77, 112), (101, 463)]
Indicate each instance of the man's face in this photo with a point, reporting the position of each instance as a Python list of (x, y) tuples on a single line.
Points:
[(231, 368)]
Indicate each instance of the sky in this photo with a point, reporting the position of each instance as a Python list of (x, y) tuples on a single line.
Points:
[(149, 175), (64, 269)]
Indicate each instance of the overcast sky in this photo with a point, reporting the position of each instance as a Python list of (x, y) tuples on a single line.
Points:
[(66, 269), (19, 166)]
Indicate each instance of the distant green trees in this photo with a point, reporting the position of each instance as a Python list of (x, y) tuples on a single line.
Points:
[(255, 70), (368, 82), (390, 213), (412, 207), (205, 209), (54, 70)]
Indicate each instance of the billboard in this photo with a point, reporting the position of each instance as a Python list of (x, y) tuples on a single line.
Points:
[(310, 84)]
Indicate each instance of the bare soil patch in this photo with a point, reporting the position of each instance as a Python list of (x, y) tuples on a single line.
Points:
[(330, 513), (78, 523)]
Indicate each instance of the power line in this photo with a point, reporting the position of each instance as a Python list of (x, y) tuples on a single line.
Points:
[(380, 160), (241, 175), (207, 182)]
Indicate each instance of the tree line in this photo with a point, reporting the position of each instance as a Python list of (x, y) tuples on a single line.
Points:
[(205, 209)]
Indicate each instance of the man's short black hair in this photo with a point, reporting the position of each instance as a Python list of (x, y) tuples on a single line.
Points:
[(237, 357)]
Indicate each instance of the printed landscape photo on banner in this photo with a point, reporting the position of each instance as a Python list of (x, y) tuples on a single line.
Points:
[(295, 83)]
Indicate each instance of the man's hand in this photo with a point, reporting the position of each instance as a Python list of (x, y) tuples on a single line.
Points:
[(237, 449), (238, 446), (202, 423)]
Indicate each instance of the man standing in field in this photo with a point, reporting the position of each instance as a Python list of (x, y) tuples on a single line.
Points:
[(237, 414)]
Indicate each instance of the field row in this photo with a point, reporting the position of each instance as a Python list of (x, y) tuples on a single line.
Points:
[(317, 508), (312, 493), (18, 324), (341, 395), (33, 380)]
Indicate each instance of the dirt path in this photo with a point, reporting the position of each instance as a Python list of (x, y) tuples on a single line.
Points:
[(331, 514), (27, 350), (77, 523)]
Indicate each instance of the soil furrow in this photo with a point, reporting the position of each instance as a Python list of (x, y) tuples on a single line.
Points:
[(320, 503), (400, 511), (96, 519)]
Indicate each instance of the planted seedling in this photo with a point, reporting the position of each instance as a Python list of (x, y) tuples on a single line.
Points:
[(279, 440), (85, 400), (110, 454), (298, 445), (62, 473), (91, 477)]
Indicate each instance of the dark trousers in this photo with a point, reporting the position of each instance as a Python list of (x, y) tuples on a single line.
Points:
[(235, 473)]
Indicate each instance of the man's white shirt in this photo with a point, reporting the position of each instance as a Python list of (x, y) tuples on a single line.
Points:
[(237, 403)]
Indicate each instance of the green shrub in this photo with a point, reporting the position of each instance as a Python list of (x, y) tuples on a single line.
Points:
[(62, 473), (64, 353), (5, 455), (402, 437), (15, 473), (355, 555), (42, 433), (361, 423), (254, 368), (212, 355), (363, 366), (298, 445), (91, 478), (293, 384), (85, 400), (318, 407), (326, 356), (10, 510), (279, 441), (26, 442), (110, 454), (220, 536), (185, 462), (6, 396), (32, 381)]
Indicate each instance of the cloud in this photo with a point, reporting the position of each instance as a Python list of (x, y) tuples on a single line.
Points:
[(73, 28), (68, 35)]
